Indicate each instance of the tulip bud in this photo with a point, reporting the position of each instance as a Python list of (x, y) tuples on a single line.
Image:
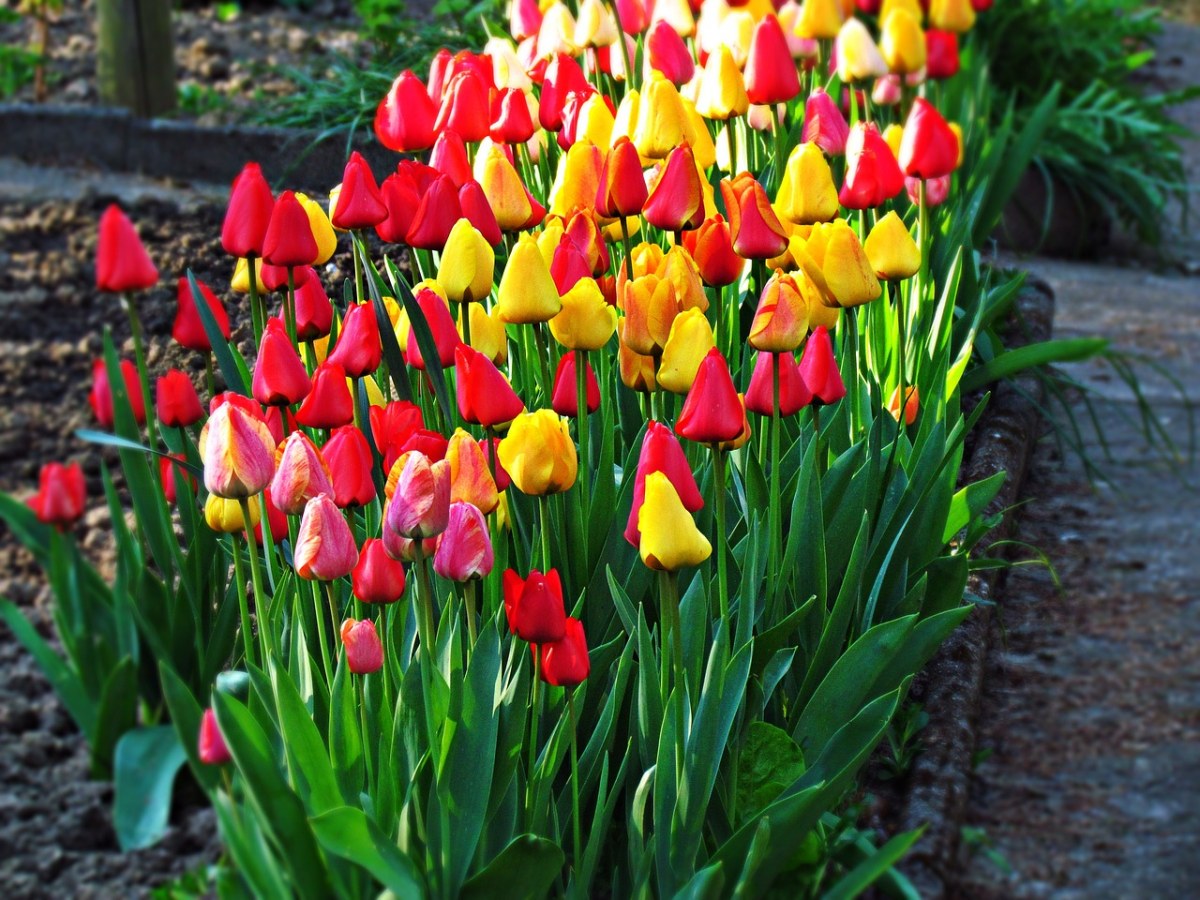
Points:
[(405, 116), (771, 75), (534, 606), (238, 453), (872, 175), (441, 324), (420, 505), (289, 241), (224, 515), (819, 369), (364, 649), (188, 331), (464, 107), (668, 54), (781, 319), (503, 188), (858, 59), (325, 548), (211, 747), (524, 19), (807, 193), (564, 399), (690, 340), (893, 253), (622, 191), (435, 215), (328, 404), (651, 306), (912, 403), (464, 549), (722, 88), (661, 452), (350, 463), (377, 578), (176, 401), (929, 148), (300, 474), (248, 213), (820, 19), (903, 42), (849, 278), (941, 54), (538, 453), (637, 370), (61, 495), (824, 123), (359, 204), (670, 539), (465, 272), (122, 263), (712, 411), (565, 662), (280, 378), (101, 398), (711, 246), (757, 232), (595, 26), (794, 394), (676, 200), (957, 16), (314, 312), (660, 118), (527, 292), (586, 321), (484, 395)]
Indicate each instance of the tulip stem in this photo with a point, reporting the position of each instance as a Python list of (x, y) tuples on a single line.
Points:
[(669, 594), (260, 596), (543, 355), (775, 513), (469, 600), (722, 536), (323, 636), (139, 355), (209, 376), (820, 452), (289, 307), (585, 463), (533, 732), (256, 309), (364, 722), (577, 831), (546, 526), (777, 130), (425, 631), (464, 319), (358, 245), (628, 262), (243, 604), (731, 133)]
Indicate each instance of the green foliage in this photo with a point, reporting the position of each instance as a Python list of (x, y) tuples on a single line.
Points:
[(17, 64)]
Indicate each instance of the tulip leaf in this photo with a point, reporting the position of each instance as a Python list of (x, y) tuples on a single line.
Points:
[(233, 367), (116, 715), (1010, 362), (769, 762), (424, 338), (524, 870), (308, 761), (112, 440), (855, 882), (350, 834), (144, 768), (345, 737), (969, 502), (248, 846), (397, 371), (185, 714)]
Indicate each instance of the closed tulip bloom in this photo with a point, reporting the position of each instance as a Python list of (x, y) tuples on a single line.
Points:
[(538, 453), (477, 213), (586, 321), (377, 578), (819, 19), (248, 213), (401, 197), (435, 215), (936, 190), (484, 395), (238, 453), (650, 309), (820, 370), (681, 271), (168, 466), (858, 59), (711, 246), (359, 204), (524, 19), (420, 505), (470, 475), (325, 548), (891, 250), (358, 349), (487, 333), (314, 312), (660, 118), (329, 404), (300, 474), (771, 75), (565, 662), (848, 274), (122, 263), (667, 53), (211, 747), (321, 227), (595, 25), (722, 87), (912, 404), (364, 649), (564, 399), (584, 230), (676, 200), (872, 175), (239, 283), (405, 116), (670, 539), (176, 401), (957, 16), (622, 191), (503, 188), (712, 411), (512, 121), (902, 42), (464, 107), (465, 272), (781, 320), (449, 157), (807, 193), (101, 397), (661, 452), (61, 495), (534, 606), (824, 123), (556, 36), (636, 369), (687, 346), (394, 423), (929, 148), (757, 232), (280, 378), (289, 241), (578, 179), (224, 515), (527, 292), (569, 265), (464, 551), (941, 54), (794, 394), (350, 462)]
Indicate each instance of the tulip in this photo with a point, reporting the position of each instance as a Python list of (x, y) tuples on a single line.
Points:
[(280, 378), (167, 467), (101, 398), (329, 403), (289, 241), (929, 148), (563, 77), (848, 276), (420, 505), (122, 263), (892, 252), (902, 41), (957, 16), (300, 474), (794, 394), (364, 649), (484, 395), (441, 326), (757, 232), (464, 549), (401, 197), (936, 190), (819, 369), (477, 213), (577, 180), (358, 349), (676, 200), (781, 319), (555, 37), (941, 54), (858, 59), (377, 578), (564, 399), (690, 340), (211, 747), (224, 515), (240, 281), (238, 453), (321, 227), (512, 122), (565, 662), (595, 25), (872, 175), (435, 215), (534, 606), (668, 54), (569, 265), (350, 462), (248, 213), (470, 475), (524, 19), (670, 539), (487, 333), (188, 331), (660, 116), (465, 272), (314, 312), (770, 73), (538, 453), (584, 230), (824, 123), (807, 193), (712, 411), (586, 321), (711, 246), (61, 495), (912, 403), (175, 400), (661, 452), (622, 186), (632, 16), (394, 423), (405, 116), (651, 306), (325, 548), (503, 188), (636, 369), (449, 157), (527, 292), (464, 107), (887, 91), (359, 203), (722, 88)]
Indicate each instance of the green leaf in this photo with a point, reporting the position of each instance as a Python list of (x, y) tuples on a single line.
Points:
[(873, 867), (116, 715), (424, 337), (525, 870), (308, 760), (145, 765), (1010, 362), (232, 369), (348, 833), (969, 502), (768, 763), (185, 715), (111, 440)]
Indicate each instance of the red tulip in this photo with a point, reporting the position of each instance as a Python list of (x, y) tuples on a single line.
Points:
[(436, 214), (274, 517), (565, 397), (401, 197), (314, 312), (188, 331), (492, 455), (275, 278), (393, 424), (445, 333), (404, 118), (248, 213), (757, 232), (632, 16), (61, 495), (676, 200), (569, 265), (465, 107), (770, 73), (478, 211), (358, 349), (712, 411), (359, 204), (534, 606), (122, 263), (169, 469), (484, 395), (280, 378), (941, 54), (563, 77), (351, 464), (661, 452), (511, 122), (289, 241), (711, 248), (364, 650), (936, 190), (794, 394), (819, 369), (211, 743), (329, 404), (622, 183), (565, 663), (449, 158), (101, 398), (872, 176), (377, 578), (175, 400), (929, 147), (524, 19), (440, 73)]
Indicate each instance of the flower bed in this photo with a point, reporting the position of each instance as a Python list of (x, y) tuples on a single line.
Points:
[(481, 450)]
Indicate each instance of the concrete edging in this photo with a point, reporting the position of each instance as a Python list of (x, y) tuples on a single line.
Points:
[(953, 681)]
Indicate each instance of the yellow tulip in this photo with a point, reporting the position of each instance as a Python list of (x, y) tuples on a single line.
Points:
[(578, 179), (951, 15), (625, 123), (858, 59), (892, 136), (240, 283), (557, 34), (538, 453), (678, 267), (549, 238), (847, 271), (225, 516), (595, 26), (467, 265), (781, 319), (650, 309), (722, 87), (903, 42), (807, 193), (586, 321), (670, 538), (470, 475), (487, 333), (695, 132), (503, 188), (892, 252), (637, 370), (527, 292), (736, 32), (690, 339), (595, 123), (819, 20), (322, 229), (660, 119), (677, 14)]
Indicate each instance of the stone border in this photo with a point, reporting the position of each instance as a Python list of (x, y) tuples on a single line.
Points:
[(953, 681), (116, 141)]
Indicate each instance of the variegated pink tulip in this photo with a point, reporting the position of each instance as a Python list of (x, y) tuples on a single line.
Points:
[(238, 453), (464, 551), (300, 475), (364, 650), (420, 506), (470, 475), (325, 548)]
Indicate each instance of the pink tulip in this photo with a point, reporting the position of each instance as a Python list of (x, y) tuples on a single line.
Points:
[(301, 474), (420, 507), (464, 550), (364, 650), (325, 548), (212, 748), (238, 452)]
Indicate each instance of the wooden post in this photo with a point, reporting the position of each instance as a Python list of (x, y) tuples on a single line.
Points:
[(135, 59)]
